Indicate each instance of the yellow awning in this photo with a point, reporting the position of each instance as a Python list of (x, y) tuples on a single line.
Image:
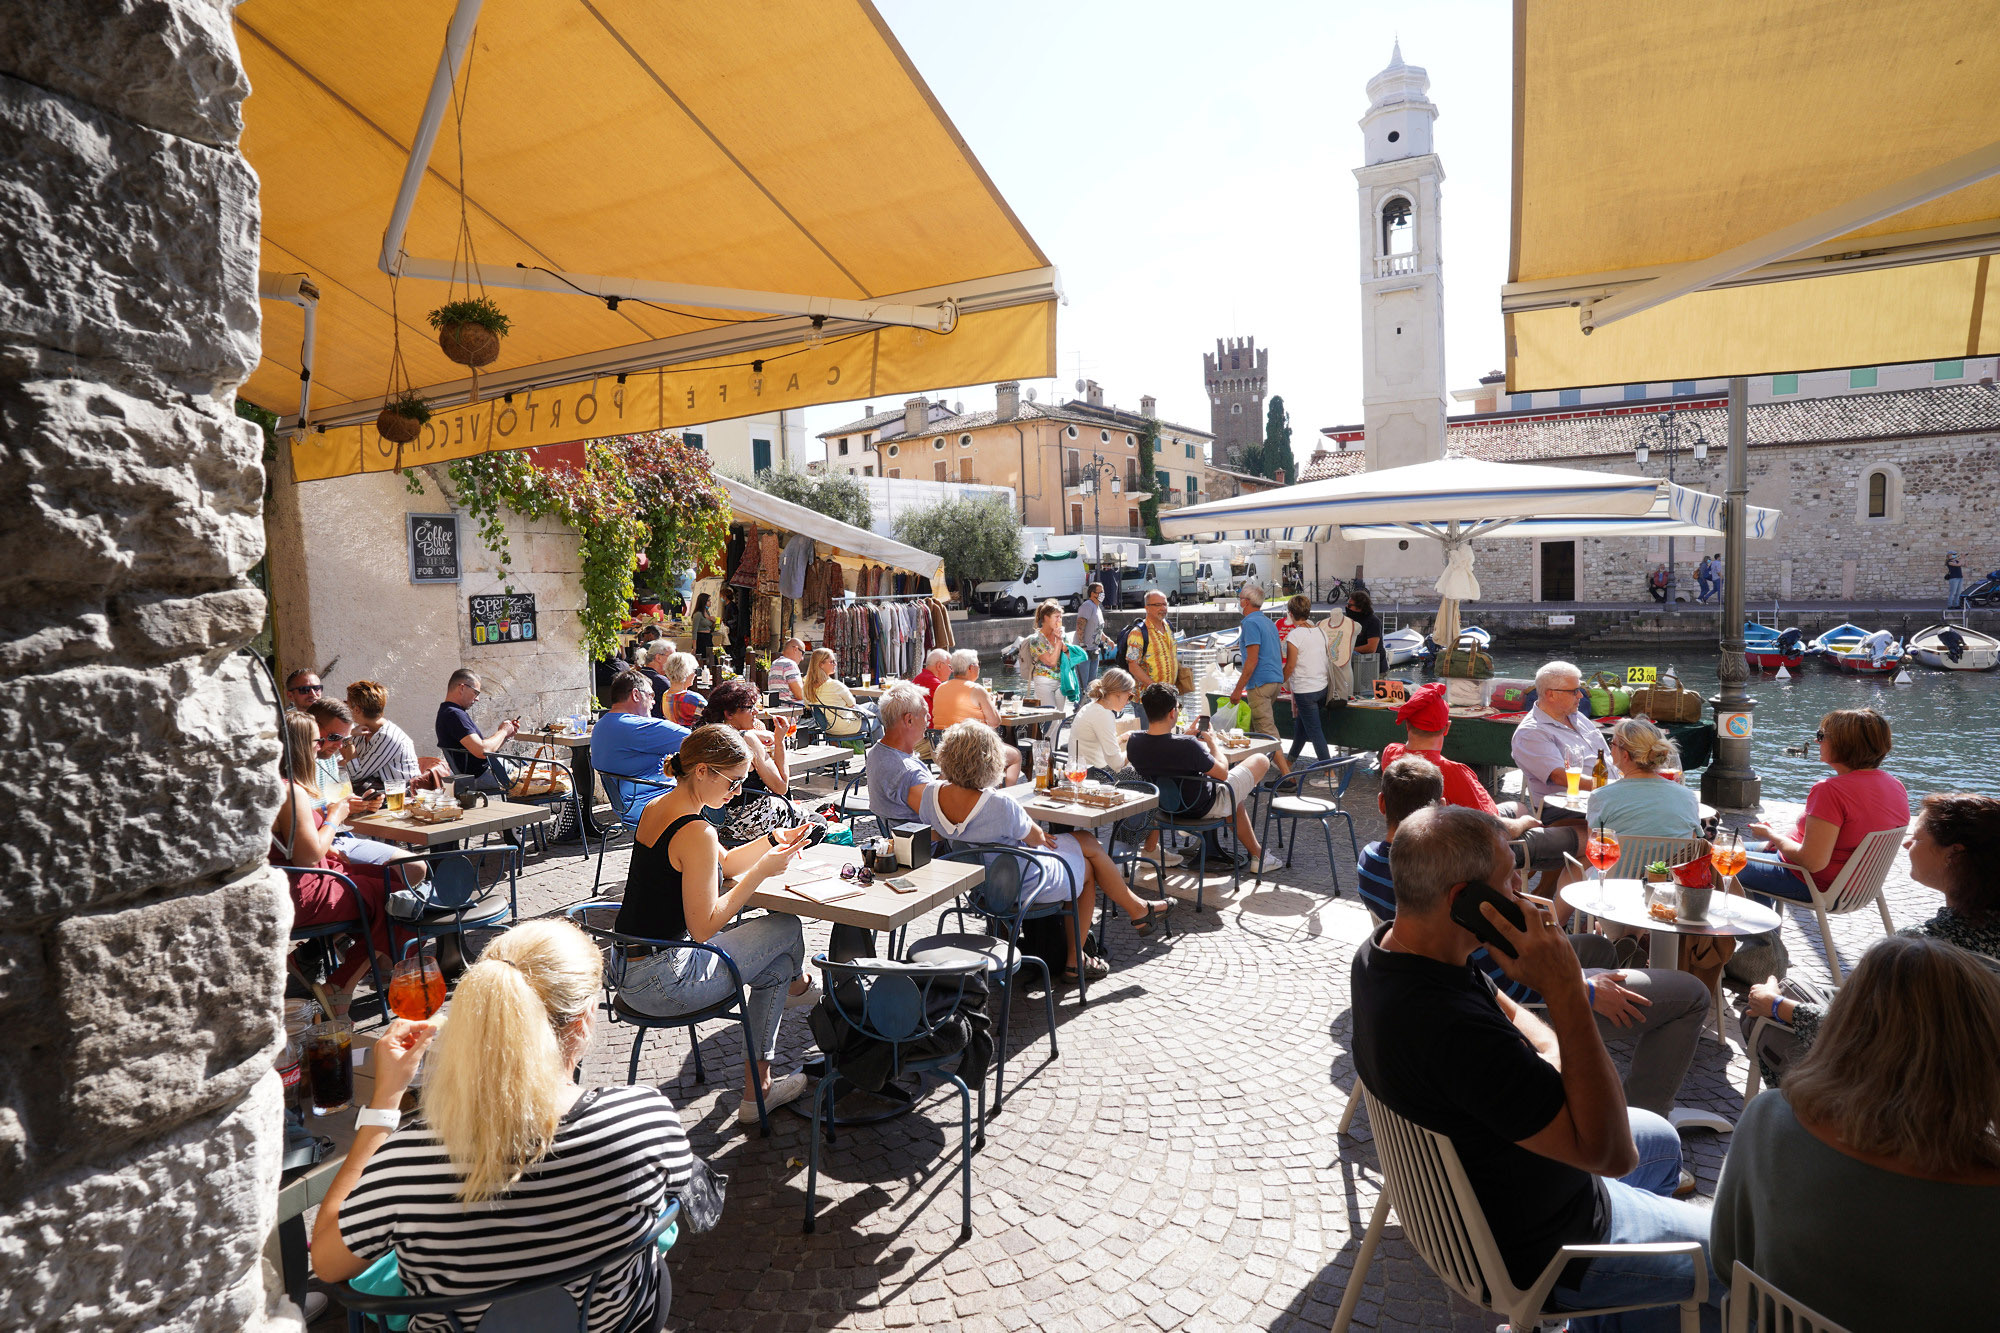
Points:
[(1724, 188), (785, 154)]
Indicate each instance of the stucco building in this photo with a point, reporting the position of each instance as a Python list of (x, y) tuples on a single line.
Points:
[(745, 446)]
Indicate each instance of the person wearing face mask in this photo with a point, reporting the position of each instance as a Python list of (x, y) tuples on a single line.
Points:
[(1366, 659), (674, 892)]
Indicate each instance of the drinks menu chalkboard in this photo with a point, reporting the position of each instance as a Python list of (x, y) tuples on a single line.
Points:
[(502, 617)]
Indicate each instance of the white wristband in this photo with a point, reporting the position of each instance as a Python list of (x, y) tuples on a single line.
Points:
[(370, 1116)]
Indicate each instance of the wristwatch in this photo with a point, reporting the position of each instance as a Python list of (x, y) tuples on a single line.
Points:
[(369, 1117)]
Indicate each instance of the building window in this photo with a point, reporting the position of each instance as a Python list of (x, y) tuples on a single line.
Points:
[(1570, 397), (867, 439), (1878, 495), (1070, 431), (1399, 233), (938, 443), (760, 456), (1076, 518), (965, 469), (1104, 437), (1520, 402), (1881, 498), (1683, 388), (1193, 486), (892, 453), (1236, 409), (1633, 391), (1193, 452), (843, 444), (692, 439), (1130, 441), (1862, 377), (965, 441), (1784, 384), (868, 471), (896, 473), (1132, 519), (1948, 370), (942, 470)]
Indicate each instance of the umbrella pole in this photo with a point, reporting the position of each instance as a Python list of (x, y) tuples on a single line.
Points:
[(1730, 781)]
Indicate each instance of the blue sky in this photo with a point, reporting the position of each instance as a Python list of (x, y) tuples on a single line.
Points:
[(1189, 168)]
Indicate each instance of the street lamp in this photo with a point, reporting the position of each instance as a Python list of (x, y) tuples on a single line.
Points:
[(1663, 434), (1099, 469)]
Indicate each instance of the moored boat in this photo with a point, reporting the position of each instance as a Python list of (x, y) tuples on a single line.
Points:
[(1405, 646), (1955, 648), (1473, 636), (1839, 639), (1767, 649)]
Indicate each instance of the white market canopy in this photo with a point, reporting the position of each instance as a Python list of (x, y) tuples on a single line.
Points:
[(756, 506), (1677, 512)]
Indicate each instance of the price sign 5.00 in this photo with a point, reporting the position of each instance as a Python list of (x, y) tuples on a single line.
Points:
[(1391, 691)]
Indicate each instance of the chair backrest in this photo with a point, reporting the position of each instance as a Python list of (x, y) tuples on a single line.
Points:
[(1636, 851), (1753, 1303), (1440, 1214), (1335, 773), (1001, 894), (598, 919), (896, 1002), (624, 790), (1862, 877), (1173, 803)]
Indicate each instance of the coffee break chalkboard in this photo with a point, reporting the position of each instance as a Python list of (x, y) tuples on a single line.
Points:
[(502, 617), (433, 548)]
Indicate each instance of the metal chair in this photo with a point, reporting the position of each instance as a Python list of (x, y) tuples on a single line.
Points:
[(1131, 829), (1858, 884), (359, 924), (900, 1004), (623, 791), (572, 799), (825, 715), (597, 919), (456, 892), (531, 1306), (1171, 817), (1753, 1303), (1443, 1221), (1288, 802), (998, 899)]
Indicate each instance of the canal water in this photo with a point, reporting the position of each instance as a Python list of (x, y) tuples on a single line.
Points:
[(1943, 725)]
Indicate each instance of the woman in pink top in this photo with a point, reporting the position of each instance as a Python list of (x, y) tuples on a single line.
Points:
[(1857, 800)]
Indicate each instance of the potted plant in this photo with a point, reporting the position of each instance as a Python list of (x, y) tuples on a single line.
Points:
[(760, 673), (469, 332), (402, 420), (1657, 873)]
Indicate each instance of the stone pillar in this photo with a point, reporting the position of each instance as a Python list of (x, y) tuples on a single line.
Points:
[(141, 934), (1729, 781)]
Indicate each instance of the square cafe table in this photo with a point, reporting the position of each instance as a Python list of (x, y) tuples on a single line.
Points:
[(492, 817), (580, 771), (875, 906), (809, 757), (1071, 814)]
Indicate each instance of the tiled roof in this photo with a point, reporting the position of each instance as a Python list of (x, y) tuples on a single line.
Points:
[(1612, 430), (1082, 414), (865, 424), (1129, 420), (1334, 463)]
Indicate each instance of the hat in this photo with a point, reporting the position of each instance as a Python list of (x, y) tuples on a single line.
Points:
[(1426, 710)]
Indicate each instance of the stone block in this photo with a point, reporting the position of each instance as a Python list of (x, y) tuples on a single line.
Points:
[(125, 780), (126, 244), (175, 63), (170, 1009), (166, 1236)]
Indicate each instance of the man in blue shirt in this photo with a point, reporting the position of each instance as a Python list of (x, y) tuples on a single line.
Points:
[(1263, 667), (894, 771), (628, 742)]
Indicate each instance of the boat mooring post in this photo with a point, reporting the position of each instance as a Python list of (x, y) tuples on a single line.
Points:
[(1729, 781)]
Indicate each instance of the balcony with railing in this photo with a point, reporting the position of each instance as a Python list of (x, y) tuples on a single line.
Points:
[(1395, 266)]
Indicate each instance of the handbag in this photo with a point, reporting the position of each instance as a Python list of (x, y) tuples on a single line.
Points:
[(1607, 697), (702, 1197), (1666, 705), (1511, 698), (551, 783), (1465, 664)]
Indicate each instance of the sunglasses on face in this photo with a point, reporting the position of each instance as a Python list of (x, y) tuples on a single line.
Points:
[(1819, 735), (735, 784), (308, 689), (336, 738)]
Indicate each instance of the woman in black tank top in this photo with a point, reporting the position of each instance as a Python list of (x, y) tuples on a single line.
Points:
[(673, 892)]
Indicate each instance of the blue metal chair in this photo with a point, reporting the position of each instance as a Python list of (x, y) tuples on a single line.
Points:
[(1288, 801), (898, 1003), (532, 1306), (598, 919), (572, 800), (1173, 817), (998, 899), (457, 891), (358, 925), (1132, 830), (624, 791), (824, 716)]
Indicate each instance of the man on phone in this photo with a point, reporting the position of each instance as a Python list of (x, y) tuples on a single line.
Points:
[(1534, 1108), (470, 752), (1159, 756)]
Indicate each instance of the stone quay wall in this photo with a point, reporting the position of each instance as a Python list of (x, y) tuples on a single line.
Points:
[(141, 933)]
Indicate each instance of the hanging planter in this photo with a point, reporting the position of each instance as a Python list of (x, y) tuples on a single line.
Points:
[(469, 332), (403, 420)]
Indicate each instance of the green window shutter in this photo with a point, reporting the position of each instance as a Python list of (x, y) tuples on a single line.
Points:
[(1783, 384), (1862, 377)]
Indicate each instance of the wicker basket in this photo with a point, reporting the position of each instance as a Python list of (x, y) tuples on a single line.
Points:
[(472, 345), (397, 428)]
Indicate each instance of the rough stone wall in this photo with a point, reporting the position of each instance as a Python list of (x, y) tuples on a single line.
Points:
[(141, 935), (1825, 549)]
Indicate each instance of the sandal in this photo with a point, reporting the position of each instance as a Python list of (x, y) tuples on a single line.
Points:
[(1155, 914), (1095, 968)]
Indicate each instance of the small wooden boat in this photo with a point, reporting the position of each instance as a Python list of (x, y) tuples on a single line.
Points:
[(1472, 636), (1837, 640), (1767, 649), (1405, 646), (1955, 648)]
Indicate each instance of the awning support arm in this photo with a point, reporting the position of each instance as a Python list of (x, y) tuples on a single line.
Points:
[(457, 39), (296, 289), (1695, 275), (939, 318)]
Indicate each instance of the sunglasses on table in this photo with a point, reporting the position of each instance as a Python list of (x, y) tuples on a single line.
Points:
[(861, 875)]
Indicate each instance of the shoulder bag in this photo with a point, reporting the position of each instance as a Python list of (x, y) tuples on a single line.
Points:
[(1608, 698), (1465, 664), (1666, 705)]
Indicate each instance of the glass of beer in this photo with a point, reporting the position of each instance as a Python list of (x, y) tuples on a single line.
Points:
[(392, 795), (329, 1056), (1573, 778)]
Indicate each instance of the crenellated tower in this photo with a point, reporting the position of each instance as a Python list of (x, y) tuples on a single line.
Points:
[(1238, 377)]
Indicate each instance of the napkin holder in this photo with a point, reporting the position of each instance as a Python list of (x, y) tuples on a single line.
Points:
[(913, 845)]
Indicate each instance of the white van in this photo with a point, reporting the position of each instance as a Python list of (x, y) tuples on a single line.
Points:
[(1051, 575), (1176, 578)]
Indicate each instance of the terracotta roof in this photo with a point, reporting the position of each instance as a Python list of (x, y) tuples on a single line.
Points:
[(865, 424), (1334, 463), (1616, 429), (890, 424)]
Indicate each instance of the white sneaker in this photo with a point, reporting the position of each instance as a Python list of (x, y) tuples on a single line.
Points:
[(1176, 860), (783, 1090), (805, 999), (1272, 861)]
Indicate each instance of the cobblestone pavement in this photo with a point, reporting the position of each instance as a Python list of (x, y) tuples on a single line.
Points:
[(1176, 1168)]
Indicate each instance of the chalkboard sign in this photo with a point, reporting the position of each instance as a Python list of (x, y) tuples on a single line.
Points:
[(433, 548), (502, 618)]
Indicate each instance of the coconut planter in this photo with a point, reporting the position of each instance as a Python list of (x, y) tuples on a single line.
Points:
[(397, 428), (469, 344)]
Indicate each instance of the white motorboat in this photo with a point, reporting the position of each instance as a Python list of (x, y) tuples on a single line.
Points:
[(1955, 648), (1405, 646), (1472, 636)]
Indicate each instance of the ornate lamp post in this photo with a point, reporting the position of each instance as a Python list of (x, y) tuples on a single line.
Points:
[(1662, 435), (1100, 470)]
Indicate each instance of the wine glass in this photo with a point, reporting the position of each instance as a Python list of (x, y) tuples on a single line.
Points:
[(1601, 850), (1076, 773), (1729, 858), (416, 991)]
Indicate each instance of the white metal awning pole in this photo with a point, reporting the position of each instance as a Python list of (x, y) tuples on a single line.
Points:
[(457, 38), (296, 289)]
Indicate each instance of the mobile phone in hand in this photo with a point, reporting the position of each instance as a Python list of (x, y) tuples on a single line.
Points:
[(1465, 911), (1201, 725)]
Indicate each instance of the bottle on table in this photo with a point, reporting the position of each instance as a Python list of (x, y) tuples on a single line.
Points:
[(1598, 776)]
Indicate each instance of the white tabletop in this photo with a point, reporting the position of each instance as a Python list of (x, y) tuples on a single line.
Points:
[(809, 757), (1069, 814), (1624, 901), (1029, 716), (874, 907), (567, 739), (489, 818)]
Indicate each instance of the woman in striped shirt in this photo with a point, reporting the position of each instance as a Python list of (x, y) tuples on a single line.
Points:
[(510, 1171)]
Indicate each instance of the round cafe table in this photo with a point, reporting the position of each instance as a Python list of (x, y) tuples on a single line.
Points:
[(1624, 901)]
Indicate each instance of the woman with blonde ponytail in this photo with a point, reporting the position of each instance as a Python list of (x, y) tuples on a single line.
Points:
[(511, 1171)]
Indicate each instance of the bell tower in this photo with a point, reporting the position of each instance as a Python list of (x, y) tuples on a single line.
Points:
[(1402, 285)]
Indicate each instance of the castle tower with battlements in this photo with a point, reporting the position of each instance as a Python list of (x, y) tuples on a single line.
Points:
[(1238, 376)]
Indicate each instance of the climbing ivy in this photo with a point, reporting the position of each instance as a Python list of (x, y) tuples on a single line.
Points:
[(633, 493), (1149, 510)]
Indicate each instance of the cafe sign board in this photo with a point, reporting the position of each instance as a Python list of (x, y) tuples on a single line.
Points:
[(507, 617), (434, 549)]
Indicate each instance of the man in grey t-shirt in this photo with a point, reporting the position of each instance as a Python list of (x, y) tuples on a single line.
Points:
[(1090, 632)]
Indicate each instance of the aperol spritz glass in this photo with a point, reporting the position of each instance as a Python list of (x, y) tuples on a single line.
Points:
[(1601, 850), (416, 991)]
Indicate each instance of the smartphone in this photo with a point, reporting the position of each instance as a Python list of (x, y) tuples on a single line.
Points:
[(1201, 725), (1465, 911)]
